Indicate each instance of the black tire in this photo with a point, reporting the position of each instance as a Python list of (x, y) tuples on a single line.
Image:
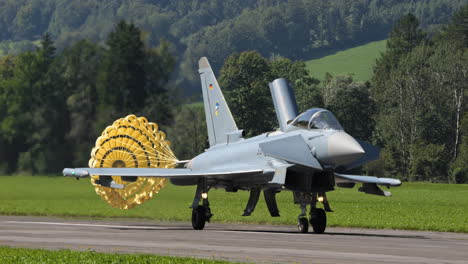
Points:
[(303, 225), (198, 217), (318, 220)]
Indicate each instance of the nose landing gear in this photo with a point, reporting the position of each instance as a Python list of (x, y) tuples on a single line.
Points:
[(318, 217), (302, 223), (318, 220)]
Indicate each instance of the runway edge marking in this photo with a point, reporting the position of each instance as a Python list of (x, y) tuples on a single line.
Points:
[(88, 225)]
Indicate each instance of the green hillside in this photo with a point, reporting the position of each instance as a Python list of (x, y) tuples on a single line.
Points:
[(358, 60), (215, 28)]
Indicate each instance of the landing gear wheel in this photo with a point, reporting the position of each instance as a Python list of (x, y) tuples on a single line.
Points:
[(303, 225), (199, 217), (318, 220)]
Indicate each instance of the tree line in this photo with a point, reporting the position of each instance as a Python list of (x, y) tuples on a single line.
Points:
[(54, 104), (413, 108), (296, 29)]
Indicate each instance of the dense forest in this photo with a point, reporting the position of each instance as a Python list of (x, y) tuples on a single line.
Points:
[(414, 107), (295, 29), (57, 98)]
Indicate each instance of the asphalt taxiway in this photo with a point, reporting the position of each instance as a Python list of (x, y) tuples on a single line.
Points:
[(245, 243)]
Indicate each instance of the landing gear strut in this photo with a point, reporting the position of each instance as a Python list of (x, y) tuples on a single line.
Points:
[(201, 213), (302, 223)]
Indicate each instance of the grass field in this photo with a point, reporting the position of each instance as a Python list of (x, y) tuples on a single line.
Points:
[(33, 256), (416, 206), (358, 60)]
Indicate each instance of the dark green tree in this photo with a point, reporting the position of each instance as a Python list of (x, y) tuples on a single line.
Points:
[(189, 133), (390, 81), (122, 80), (8, 154), (35, 117), (457, 30), (48, 48), (245, 76), (405, 35), (449, 71), (458, 169), (351, 103), (16, 99), (48, 152), (159, 103), (78, 65)]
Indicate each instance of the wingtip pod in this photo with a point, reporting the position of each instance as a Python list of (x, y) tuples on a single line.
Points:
[(76, 173)]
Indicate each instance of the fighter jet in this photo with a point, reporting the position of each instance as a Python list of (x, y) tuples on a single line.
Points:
[(303, 156)]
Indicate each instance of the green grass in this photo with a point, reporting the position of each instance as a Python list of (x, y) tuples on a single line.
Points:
[(416, 206), (358, 61), (33, 256)]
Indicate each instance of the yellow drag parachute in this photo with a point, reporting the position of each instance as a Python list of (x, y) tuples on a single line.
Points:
[(131, 142)]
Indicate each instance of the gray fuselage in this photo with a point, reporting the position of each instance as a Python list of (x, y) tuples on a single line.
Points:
[(247, 153)]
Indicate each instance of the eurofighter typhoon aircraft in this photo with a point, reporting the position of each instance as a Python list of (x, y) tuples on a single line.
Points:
[(303, 156)]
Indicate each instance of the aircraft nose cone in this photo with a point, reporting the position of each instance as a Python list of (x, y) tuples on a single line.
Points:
[(343, 149)]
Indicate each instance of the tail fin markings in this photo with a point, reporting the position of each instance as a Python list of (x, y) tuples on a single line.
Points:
[(219, 120)]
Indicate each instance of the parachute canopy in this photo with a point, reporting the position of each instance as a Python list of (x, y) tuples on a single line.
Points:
[(131, 142)]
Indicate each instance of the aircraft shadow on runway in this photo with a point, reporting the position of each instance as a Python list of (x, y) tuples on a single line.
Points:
[(332, 234), (177, 228), (375, 235)]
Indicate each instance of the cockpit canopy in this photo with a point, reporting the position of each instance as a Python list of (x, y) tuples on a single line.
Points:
[(317, 118)]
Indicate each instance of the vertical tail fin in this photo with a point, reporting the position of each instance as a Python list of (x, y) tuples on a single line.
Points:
[(284, 101), (219, 119)]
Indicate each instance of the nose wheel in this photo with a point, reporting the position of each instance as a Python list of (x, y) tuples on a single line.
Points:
[(318, 220), (318, 217)]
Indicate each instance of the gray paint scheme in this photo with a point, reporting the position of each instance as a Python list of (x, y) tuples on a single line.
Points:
[(284, 101), (342, 149), (264, 160), (366, 179), (162, 173), (371, 153), (219, 120), (300, 157)]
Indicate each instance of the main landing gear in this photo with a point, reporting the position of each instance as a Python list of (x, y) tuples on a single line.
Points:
[(201, 213), (318, 217)]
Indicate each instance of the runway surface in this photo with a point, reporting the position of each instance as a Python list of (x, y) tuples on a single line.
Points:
[(246, 243)]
